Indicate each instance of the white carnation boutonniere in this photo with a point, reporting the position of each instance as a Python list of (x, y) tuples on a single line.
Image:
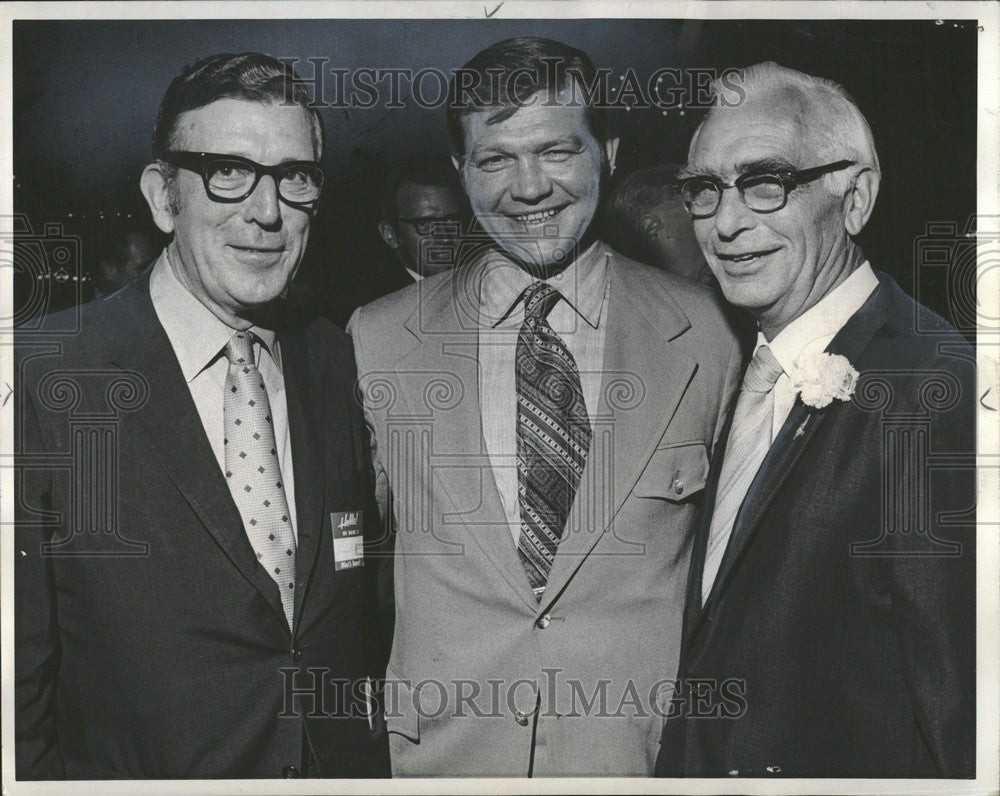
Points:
[(821, 378)]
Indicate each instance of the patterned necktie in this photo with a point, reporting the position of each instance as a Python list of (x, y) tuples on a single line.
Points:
[(553, 435), (749, 441), (253, 471)]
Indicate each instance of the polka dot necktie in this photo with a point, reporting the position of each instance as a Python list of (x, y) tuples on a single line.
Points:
[(253, 470), (553, 435)]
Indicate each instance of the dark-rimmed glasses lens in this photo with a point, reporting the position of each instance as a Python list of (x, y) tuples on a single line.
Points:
[(230, 178), (761, 192)]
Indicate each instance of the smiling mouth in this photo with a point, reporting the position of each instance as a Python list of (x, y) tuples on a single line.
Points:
[(537, 216), (743, 259), (257, 249)]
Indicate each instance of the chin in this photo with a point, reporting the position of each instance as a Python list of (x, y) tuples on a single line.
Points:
[(738, 292), (263, 293)]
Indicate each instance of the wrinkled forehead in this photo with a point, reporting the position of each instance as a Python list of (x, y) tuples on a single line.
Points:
[(249, 128), (777, 127), (538, 116)]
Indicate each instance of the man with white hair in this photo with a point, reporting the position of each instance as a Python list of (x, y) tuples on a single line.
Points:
[(829, 628)]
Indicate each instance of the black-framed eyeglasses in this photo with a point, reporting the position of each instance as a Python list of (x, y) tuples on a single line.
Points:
[(762, 192), (425, 225), (231, 178)]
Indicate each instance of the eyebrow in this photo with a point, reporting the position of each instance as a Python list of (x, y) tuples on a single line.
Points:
[(762, 165), (571, 140), (744, 167)]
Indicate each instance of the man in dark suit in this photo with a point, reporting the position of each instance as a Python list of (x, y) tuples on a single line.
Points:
[(830, 621), (191, 595)]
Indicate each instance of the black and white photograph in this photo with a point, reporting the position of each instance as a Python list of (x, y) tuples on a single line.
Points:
[(449, 397)]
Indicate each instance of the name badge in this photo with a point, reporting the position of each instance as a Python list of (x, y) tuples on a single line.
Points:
[(348, 539)]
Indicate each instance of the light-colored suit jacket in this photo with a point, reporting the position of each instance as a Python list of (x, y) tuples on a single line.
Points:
[(483, 680)]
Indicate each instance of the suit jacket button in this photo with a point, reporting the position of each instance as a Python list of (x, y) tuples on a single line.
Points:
[(542, 622), (290, 772), (296, 654), (678, 486), (521, 718)]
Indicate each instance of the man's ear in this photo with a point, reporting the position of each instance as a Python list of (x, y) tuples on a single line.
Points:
[(153, 184), (860, 201), (650, 226), (388, 234), (611, 152)]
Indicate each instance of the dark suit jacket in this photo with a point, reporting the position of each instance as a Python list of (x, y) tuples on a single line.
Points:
[(839, 636), (149, 641)]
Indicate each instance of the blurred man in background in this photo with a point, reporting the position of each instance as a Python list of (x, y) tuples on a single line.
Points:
[(423, 215), (645, 219), (121, 256)]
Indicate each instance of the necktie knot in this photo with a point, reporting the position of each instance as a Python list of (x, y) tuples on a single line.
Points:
[(539, 299), (763, 371), (239, 349)]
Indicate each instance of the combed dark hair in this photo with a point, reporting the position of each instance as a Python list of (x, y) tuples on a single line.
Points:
[(248, 76), (436, 170), (508, 73), (632, 198)]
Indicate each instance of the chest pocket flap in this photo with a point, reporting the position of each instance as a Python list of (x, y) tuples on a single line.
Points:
[(674, 472)]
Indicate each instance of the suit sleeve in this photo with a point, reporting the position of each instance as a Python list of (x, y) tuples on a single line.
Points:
[(381, 479), (934, 596), (36, 629), (383, 548)]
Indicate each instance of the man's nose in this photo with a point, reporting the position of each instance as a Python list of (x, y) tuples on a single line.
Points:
[(733, 216), (531, 183), (263, 206)]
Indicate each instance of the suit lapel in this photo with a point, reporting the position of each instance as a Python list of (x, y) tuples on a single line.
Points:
[(638, 359), (795, 436), (692, 599), (176, 437), (446, 327), (302, 392)]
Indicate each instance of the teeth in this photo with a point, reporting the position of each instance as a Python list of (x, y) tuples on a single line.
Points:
[(530, 218)]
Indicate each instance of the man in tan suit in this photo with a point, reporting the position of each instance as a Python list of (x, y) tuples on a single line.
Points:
[(542, 418)]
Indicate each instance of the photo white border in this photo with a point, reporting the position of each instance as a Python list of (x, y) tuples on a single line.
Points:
[(988, 516)]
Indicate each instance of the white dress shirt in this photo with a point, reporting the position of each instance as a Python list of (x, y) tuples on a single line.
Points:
[(579, 320), (198, 339), (812, 332)]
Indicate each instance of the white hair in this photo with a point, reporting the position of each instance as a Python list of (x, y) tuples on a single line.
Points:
[(827, 112)]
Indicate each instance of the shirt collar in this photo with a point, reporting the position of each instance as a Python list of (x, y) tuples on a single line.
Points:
[(820, 323), (582, 285), (195, 334)]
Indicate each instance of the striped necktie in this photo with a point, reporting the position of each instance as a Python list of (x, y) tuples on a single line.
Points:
[(553, 435)]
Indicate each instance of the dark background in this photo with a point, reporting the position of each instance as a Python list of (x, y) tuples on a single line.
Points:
[(86, 94)]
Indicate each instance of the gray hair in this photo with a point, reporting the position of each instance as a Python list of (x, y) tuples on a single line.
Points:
[(829, 113)]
